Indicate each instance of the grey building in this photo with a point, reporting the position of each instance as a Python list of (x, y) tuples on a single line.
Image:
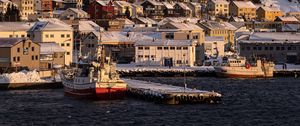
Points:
[(280, 47)]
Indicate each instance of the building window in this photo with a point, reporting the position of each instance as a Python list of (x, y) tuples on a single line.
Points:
[(289, 48), (282, 48), (147, 48), (146, 56), (10, 36), (32, 57), (32, 49), (52, 36), (47, 36), (62, 44), (277, 48), (179, 62), (159, 48), (68, 53), (254, 48), (14, 59), (166, 48), (18, 58), (68, 44), (195, 37), (68, 36), (18, 49), (184, 48), (62, 35), (248, 48), (271, 48), (140, 48), (178, 48), (22, 36), (172, 48), (152, 56), (36, 57), (140, 56)]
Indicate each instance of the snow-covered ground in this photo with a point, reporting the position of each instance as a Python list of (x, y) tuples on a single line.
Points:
[(134, 68), (289, 67), (22, 77), (284, 5)]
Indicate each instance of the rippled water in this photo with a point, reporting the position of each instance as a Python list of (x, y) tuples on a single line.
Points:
[(246, 102)]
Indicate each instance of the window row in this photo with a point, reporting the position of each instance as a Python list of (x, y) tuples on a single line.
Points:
[(16, 36), (165, 48), (65, 44), (62, 35), (270, 48)]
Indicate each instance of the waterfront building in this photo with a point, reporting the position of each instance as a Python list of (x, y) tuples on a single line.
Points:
[(54, 30), (266, 13), (280, 47), (19, 52), (165, 52), (218, 7), (51, 55), (214, 46), (223, 29), (242, 9)]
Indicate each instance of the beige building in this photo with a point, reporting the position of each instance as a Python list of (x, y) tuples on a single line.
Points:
[(268, 13), (223, 29), (163, 52), (19, 52), (242, 9), (15, 29), (26, 8), (182, 31), (214, 46), (137, 10), (121, 7), (54, 30), (51, 55), (73, 13), (218, 7)]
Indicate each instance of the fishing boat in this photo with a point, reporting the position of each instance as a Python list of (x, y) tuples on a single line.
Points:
[(237, 66), (97, 79)]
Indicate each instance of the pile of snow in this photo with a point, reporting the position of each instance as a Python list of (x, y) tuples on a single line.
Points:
[(21, 77), (283, 5), (134, 68)]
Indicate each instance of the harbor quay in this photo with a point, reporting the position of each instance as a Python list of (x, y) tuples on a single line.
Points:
[(168, 94)]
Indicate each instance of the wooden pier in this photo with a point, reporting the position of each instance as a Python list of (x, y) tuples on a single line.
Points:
[(169, 94)]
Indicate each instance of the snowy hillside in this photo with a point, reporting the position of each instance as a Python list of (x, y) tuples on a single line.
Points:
[(284, 5)]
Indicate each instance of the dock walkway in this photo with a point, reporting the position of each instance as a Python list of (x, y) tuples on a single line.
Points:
[(169, 94)]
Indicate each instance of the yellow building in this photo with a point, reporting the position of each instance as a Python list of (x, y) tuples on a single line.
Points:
[(268, 13), (218, 7), (54, 30), (27, 8), (224, 29), (122, 6), (242, 9), (15, 29)]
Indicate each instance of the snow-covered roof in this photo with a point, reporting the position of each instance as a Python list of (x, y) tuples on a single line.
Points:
[(220, 1), (214, 38), (183, 6), (78, 11), (58, 12), (244, 4), (288, 18), (103, 2), (122, 3), (128, 36), (51, 24), (185, 26), (193, 20), (16, 26), (218, 25), (169, 5), (284, 5), (50, 48), (268, 8), (146, 20), (9, 42), (276, 36), (165, 42), (61, 1), (88, 26), (4, 1), (156, 3)]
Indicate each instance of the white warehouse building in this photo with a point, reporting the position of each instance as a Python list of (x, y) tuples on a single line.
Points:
[(165, 52)]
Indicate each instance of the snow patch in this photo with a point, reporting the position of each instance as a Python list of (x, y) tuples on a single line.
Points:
[(21, 77)]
